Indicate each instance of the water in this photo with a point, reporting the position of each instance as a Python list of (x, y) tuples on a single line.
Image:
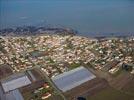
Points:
[(87, 16)]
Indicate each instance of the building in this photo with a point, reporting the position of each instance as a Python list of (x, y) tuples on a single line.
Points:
[(12, 95), (9, 87), (14, 82), (71, 79)]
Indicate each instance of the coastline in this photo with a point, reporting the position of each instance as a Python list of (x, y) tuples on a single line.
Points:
[(32, 30), (41, 30)]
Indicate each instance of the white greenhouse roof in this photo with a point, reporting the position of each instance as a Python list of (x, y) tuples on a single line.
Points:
[(73, 78), (15, 82)]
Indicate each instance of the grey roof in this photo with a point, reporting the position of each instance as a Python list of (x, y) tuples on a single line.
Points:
[(73, 78), (15, 82), (12, 95)]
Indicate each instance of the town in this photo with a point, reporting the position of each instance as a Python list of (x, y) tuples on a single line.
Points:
[(42, 60)]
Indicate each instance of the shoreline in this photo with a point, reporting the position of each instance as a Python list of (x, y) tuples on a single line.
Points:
[(42, 30)]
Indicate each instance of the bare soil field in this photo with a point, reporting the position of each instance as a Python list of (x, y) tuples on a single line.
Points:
[(110, 94), (89, 88), (122, 80), (129, 87), (5, 71), (121, 87)]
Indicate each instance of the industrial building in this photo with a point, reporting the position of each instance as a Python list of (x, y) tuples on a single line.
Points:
[(15, 81), (73, 78), (9, 86)]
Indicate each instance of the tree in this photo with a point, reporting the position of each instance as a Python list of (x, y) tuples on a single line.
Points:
[(127, 67), (81, 98)]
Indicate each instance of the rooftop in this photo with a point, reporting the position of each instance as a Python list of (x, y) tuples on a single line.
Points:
[(12, 95), (73, 78), (15, 82)]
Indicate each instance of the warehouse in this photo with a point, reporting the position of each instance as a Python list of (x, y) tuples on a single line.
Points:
[(12, 95), (73, 78), (15, 81)]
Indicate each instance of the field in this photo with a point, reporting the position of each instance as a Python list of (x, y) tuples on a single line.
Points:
[(111, 94), (122, 88), (129, 88), (123, 81), (5, 71), (88, 88)]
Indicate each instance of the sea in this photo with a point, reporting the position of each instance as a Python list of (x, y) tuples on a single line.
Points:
[(88, 17)]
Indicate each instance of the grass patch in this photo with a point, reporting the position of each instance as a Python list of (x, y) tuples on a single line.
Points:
[(27, 95), (74, 65), (118, 72)]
